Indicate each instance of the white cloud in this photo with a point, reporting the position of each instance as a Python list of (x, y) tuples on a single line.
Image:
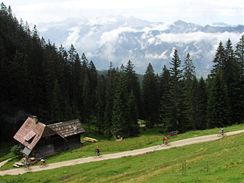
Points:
[(197, 36), (113, 35), (203, 12), (89, 41), (162, 56), (73, 36), (151, 40)]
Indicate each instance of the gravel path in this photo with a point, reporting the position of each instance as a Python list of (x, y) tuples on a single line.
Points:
[(4, 162), (179, 143)]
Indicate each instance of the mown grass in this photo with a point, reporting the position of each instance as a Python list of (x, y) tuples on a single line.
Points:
[(146, 138), (218, 161)]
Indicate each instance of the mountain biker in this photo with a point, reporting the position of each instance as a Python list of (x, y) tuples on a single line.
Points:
[(222, 131), (98, 151), (165, 140)]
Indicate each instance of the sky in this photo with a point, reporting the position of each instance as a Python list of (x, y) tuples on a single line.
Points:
[(196, 11)]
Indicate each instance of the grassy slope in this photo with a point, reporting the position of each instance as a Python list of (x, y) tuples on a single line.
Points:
[(146, 139), (218, 161), (5, 152)]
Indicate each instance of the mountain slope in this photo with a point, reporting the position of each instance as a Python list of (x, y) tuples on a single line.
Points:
[(118, 39)]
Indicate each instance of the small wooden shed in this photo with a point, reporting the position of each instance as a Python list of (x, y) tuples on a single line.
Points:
[(41, 140)]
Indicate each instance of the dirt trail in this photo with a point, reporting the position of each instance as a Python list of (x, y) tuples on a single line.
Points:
[(4, 162), (194, 140)]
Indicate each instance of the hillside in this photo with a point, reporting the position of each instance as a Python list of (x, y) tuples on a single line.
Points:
[(206, 162)]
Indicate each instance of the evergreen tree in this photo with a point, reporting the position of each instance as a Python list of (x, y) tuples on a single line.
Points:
[(150, 96), (133, 128), (93, 86), (100, 104), (133, 84), (119, 109), (109, 96), (218, 103), (77, 102), (178, 118), (231, 76), (72, 54), (201, 106), (56, 112), (190, 84), (219, 59), (192, 103), (188, 68), (86, 99), (165, 107), (239, 55)]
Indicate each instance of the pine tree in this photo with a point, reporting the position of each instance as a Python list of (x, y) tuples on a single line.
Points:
[(218, 103), (74, 64), (100, 104), (92, 72), (188, 69), (133, 84), (109, 96), (165, 107), (219, 59), (77, 102), (66, 84), (178, 118), (86, 100), (231, 76), (132, 114), (119, 109), (201, 106), (72, 54), (239, 55), (192, 101), (150, 96), (190, 84), (56, 111)]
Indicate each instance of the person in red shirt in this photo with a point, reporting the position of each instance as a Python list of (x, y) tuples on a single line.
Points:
[(165, 140)]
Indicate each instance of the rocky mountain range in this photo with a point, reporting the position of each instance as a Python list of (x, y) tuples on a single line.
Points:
[(117, 39)]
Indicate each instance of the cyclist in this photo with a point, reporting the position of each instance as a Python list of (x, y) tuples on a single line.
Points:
[(98, 151), (222, 131), (165, 140)]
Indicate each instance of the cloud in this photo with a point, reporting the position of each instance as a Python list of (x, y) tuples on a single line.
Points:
[(73, 36), (162, 56), (202, 12), (88, 42), (151, 40), (113, 35), (197, 36)]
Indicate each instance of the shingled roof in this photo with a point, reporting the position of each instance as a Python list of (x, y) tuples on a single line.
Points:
[(32, 130), (67, 128)]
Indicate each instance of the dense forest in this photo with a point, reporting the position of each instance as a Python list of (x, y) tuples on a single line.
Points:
[(37, 78)]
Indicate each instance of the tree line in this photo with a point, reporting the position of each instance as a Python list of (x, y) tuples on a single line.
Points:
[(37, 78)]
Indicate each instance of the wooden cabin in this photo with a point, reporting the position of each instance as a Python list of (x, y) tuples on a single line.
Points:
[(41, 140)]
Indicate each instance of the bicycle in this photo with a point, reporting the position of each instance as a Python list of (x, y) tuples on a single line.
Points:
[(221, 134), (42, 163)]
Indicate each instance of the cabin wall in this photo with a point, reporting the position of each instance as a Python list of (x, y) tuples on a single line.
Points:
[(50, 145), (73, 141)]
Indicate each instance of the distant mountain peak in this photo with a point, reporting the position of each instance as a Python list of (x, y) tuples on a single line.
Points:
[(119, 38)]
